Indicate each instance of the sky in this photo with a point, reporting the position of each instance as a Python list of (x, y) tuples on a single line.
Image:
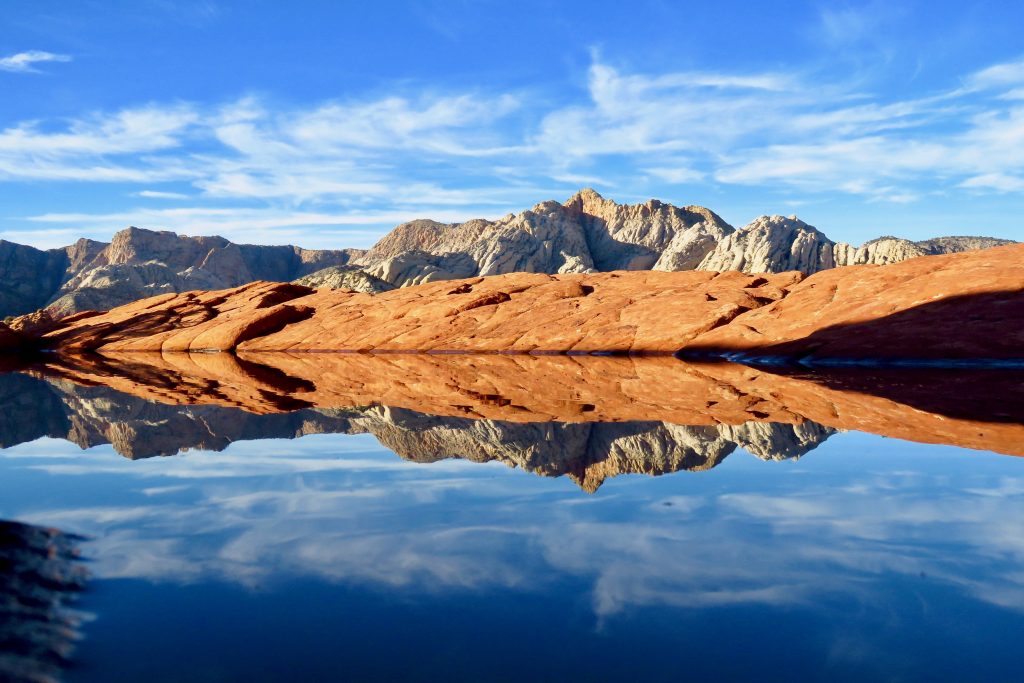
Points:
[(325, 124)]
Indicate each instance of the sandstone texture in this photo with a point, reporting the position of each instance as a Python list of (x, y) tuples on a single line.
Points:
[(587, 233), (643, 311), (955, 306)]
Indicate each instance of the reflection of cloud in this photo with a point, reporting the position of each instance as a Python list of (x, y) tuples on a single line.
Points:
[(737, 536)]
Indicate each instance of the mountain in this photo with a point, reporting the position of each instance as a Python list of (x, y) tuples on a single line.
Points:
[(137, 263), (585, 234)]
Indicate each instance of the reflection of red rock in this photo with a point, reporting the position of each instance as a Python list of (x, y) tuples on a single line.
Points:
[(942, 408)]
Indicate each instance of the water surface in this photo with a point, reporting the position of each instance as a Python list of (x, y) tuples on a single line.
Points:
[(384, 543)]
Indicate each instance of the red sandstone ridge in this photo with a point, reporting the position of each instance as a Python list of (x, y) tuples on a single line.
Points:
[(967, 305), (640, 311)]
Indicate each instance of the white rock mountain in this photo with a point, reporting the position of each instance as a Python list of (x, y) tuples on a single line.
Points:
[(584, 234)]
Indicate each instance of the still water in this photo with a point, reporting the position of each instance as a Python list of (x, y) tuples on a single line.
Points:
[(482, 550)]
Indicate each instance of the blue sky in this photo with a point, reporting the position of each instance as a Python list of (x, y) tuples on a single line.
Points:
[(326, 123)]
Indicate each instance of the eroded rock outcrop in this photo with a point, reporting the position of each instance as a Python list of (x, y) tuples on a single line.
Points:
[(344, 277), (954, 306)]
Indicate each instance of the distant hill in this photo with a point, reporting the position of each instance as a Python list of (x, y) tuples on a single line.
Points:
[(586, 233)]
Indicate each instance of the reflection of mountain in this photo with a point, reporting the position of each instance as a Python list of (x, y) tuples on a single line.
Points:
[(978, 409), (38, 573), (589, 452)]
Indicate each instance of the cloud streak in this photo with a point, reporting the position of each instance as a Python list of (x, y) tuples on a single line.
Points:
[(24, 62)]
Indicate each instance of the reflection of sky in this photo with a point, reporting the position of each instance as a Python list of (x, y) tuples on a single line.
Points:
[(856, 517)]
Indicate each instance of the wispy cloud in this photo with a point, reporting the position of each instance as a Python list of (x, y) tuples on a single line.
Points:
[(417, 153), (23, 62), (156, 194)]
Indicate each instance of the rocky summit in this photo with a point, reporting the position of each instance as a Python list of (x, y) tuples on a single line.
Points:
[(585, 234)]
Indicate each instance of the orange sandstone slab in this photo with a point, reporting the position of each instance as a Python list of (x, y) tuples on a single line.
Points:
[(955, 306), (624, 312), (639, 311)]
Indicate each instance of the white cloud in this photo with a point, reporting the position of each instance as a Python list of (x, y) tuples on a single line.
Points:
[(23, 62), (417, 154), (156, 194), (997, 76)]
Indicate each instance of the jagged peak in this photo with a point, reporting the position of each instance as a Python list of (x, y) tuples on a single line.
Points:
[(791, 222), (585, 194)]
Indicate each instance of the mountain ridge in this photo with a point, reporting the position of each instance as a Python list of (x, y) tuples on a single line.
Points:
[(587, 233)]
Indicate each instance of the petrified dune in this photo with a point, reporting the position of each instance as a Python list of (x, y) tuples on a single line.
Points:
[(955, 306)]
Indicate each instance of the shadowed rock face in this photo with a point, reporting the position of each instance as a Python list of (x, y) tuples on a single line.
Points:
[(39, 574), (587, 233)]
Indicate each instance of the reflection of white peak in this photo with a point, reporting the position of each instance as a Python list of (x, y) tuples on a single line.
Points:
[(589, 453)]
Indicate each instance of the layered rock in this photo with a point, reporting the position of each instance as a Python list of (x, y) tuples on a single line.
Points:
[(957, 306)]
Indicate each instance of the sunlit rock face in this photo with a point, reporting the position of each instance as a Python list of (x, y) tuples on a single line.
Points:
[(914, 309), (348, 278), (772, 244), (39, 576)]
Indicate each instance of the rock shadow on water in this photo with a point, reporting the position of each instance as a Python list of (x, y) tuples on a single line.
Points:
[(40, 574)]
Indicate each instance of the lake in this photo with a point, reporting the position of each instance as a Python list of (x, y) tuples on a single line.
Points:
[(231, 530)]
